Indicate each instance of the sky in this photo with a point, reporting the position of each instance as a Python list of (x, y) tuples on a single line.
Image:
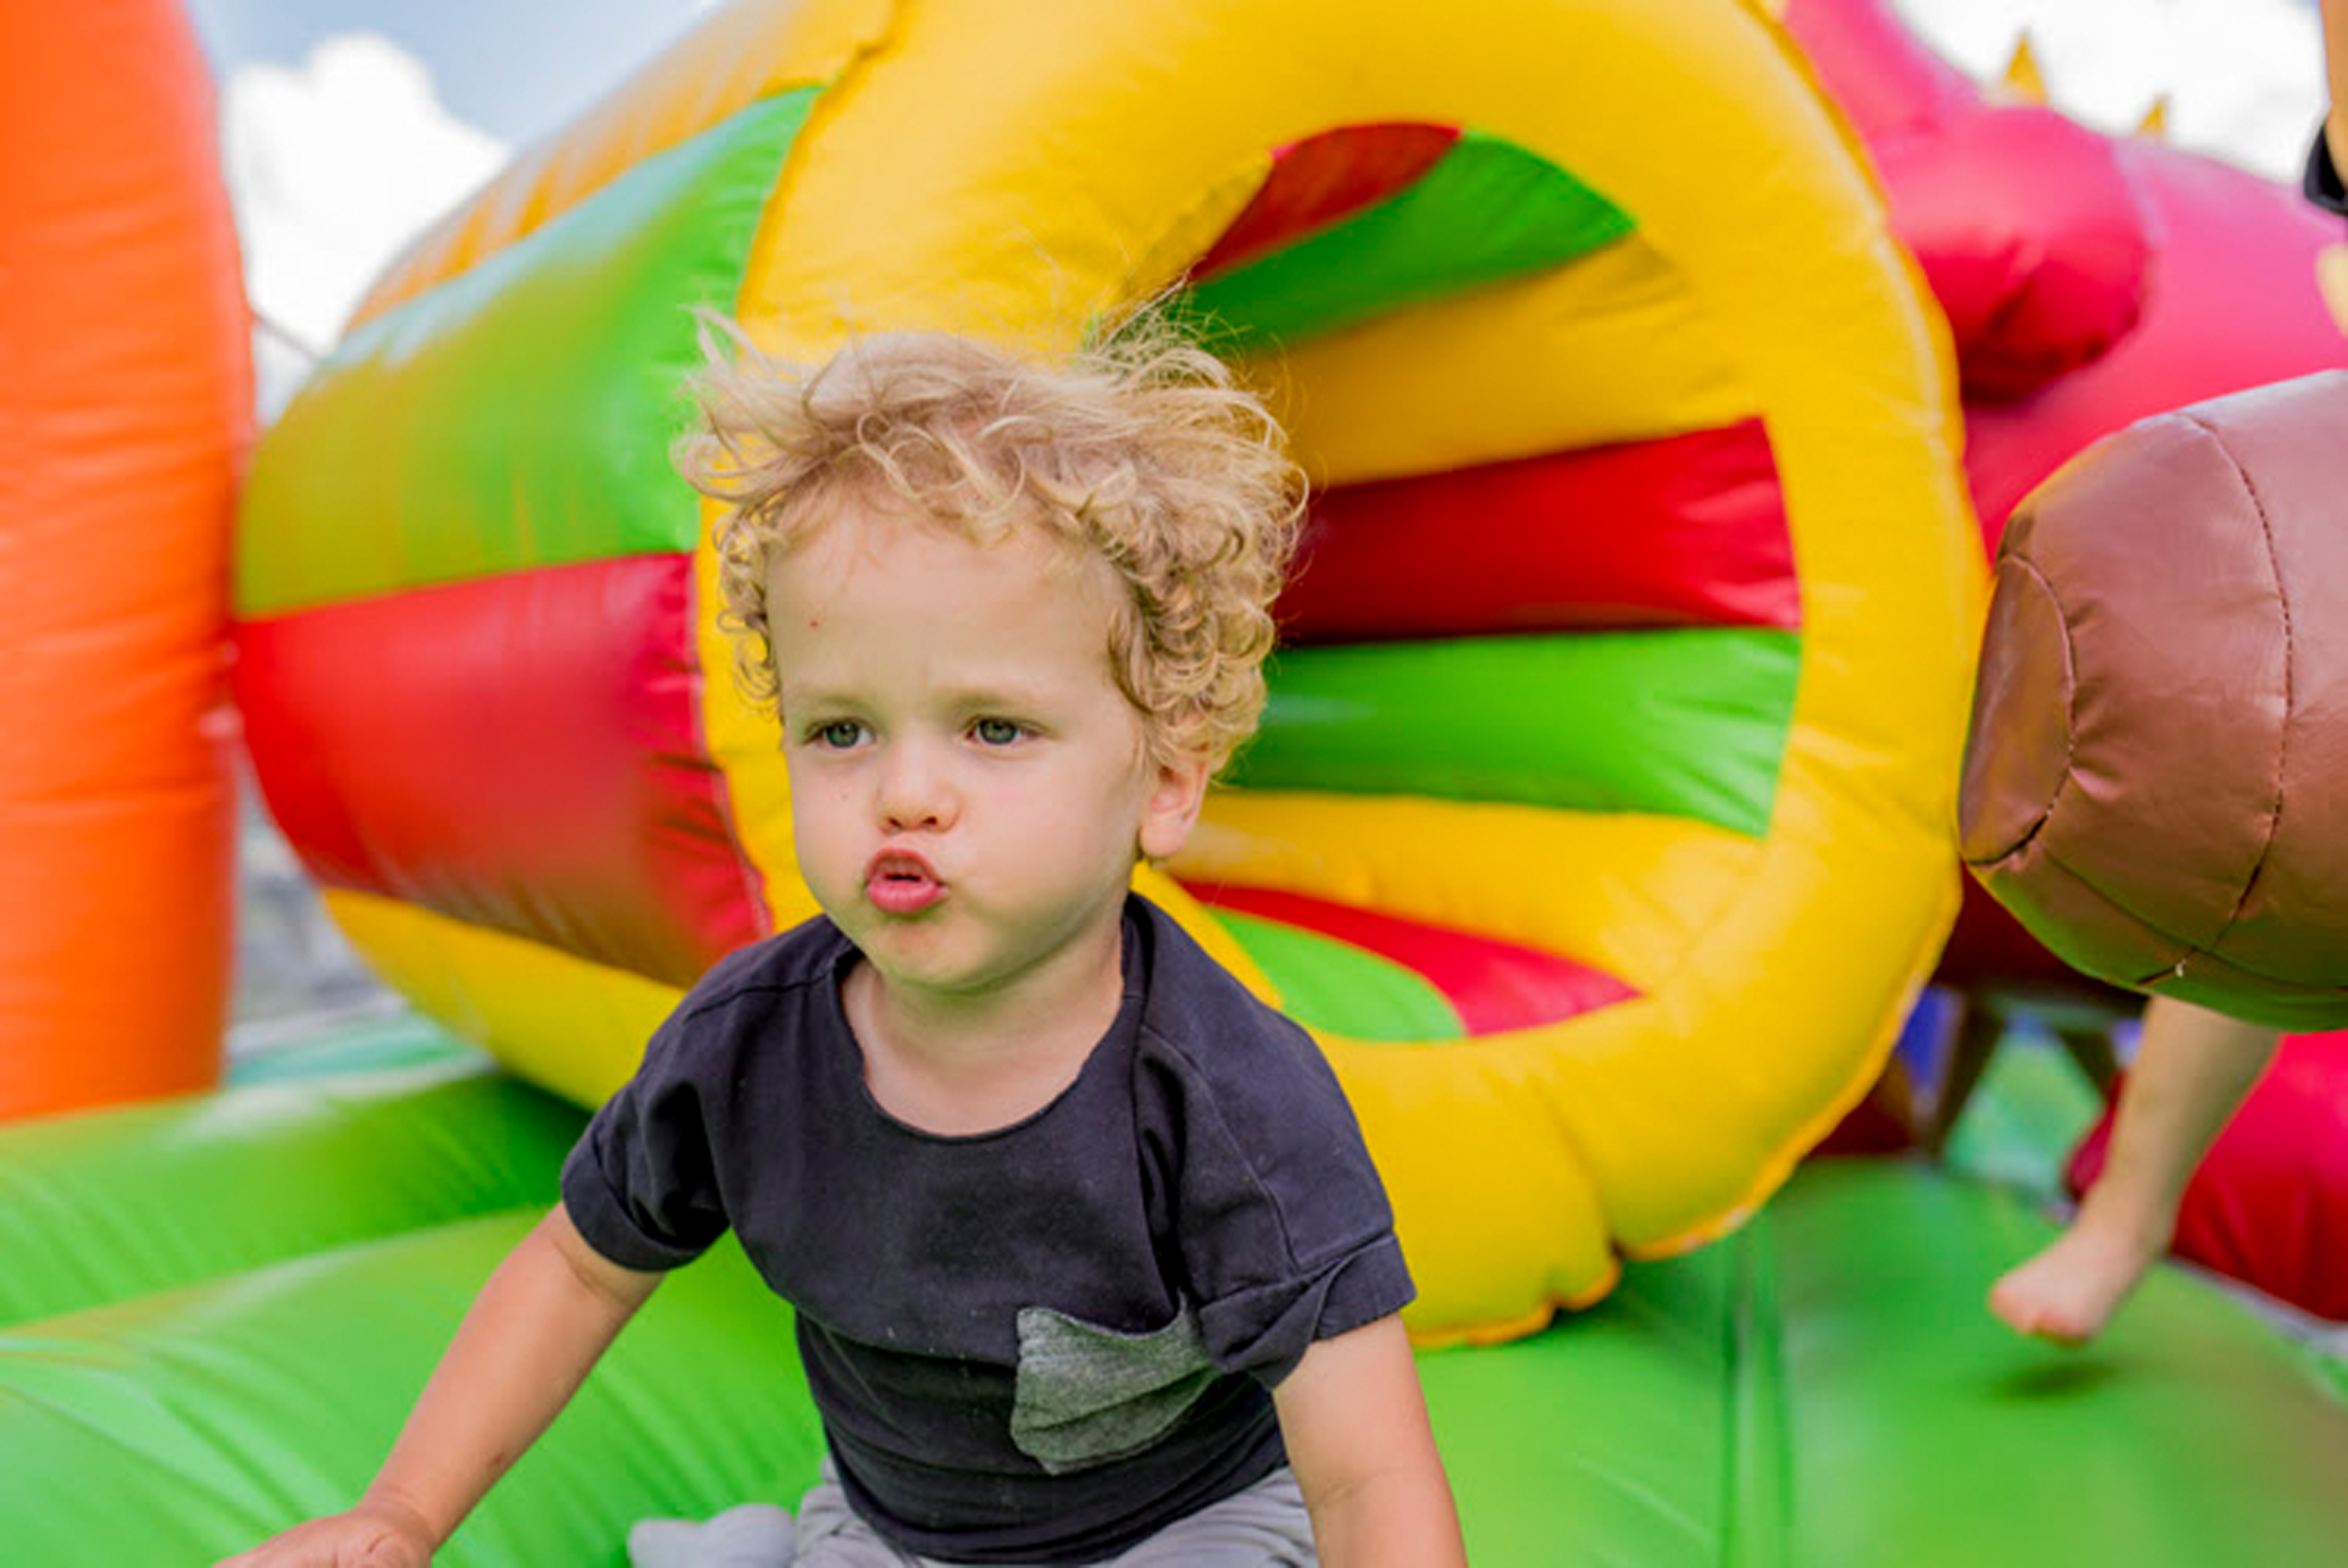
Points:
[(2243, 78), (347, 126)]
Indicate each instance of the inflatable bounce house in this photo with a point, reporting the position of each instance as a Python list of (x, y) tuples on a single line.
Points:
[(1655, 364)]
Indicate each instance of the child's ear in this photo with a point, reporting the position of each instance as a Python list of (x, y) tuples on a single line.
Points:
[(1172, 808)]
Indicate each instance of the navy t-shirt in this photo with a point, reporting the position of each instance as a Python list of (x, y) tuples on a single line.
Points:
[(1039, 1344)]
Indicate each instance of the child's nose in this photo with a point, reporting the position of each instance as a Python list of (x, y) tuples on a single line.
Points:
[(914, 794)]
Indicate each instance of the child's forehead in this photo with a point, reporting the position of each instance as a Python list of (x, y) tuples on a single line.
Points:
[(859, 522), (892, 599)]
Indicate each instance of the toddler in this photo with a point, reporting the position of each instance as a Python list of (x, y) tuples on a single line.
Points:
[(1089, 1260)]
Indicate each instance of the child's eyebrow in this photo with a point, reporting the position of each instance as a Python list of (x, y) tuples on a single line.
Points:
[(1007, 692), (794, 694), (962, 696)]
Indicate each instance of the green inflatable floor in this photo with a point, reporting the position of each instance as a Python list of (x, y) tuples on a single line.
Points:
[(218, 1311)]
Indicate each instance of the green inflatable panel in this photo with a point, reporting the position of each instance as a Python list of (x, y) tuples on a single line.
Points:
[(1488, 212), (1822, 1390), (1331, 984), (579, 336), (121, 1204), (1684, 721), (177, 1428), (1915, 1429)]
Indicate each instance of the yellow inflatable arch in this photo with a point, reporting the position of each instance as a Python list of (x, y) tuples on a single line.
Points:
[(1600, 824)]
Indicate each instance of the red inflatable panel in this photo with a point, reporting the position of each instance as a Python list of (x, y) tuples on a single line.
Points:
[(1494, 986), (396, 768), (2030, 228), (1684, 531), (2034, 238), (2234, 305), (2269, 1207)]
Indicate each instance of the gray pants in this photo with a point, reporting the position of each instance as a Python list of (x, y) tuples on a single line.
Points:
[(1265, 1526)]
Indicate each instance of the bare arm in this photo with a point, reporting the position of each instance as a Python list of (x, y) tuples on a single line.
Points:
[(1357, 1429), (535, 1331), (2335, 72), (2332, 261)]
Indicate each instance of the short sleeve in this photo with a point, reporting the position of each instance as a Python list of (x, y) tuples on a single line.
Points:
[(1281, 1222), (640, 1183), (2322, 184), (1266, 1329)]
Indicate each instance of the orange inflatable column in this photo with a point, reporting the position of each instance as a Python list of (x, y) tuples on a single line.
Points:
[(125, 395)]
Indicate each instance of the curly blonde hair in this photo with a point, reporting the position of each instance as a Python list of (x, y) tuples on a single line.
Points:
[(1140, 449)]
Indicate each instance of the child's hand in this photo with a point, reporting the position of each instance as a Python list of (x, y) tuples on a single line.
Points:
[(372, 1535), (2331, 276)]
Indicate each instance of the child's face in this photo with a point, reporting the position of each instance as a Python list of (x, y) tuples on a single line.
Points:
[(969, 787)]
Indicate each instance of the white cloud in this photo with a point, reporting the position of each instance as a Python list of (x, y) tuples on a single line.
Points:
[(332, 166), (2244, 79)]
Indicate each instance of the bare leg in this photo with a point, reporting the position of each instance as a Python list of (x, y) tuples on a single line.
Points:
[(2192, 1069)]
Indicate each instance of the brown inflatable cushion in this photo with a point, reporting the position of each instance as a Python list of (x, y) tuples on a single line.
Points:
[(2156, 779)]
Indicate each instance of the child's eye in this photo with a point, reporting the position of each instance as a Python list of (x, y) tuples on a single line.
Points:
[(995, 732), (839, 735)]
